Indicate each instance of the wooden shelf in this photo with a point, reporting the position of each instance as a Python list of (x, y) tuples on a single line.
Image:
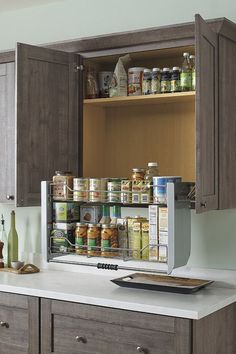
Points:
[(140, 100)]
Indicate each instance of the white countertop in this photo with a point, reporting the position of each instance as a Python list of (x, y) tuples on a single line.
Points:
[(95, 288)]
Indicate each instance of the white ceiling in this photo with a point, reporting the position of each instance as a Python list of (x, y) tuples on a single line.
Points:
[(11, 5)]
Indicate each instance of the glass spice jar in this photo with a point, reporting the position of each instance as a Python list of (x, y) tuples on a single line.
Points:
[(94, 240), (138, 174), (81, 238), (109, 240), (62, 185)]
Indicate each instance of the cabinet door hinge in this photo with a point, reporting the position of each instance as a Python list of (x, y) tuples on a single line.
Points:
[(78, 67)]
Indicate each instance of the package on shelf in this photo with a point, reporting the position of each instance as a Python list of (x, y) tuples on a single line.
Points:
[(163, 234), (141, 192), (137, 237), (90, 214), (145, 241), (153, 211), (60, 235), (65, 211)]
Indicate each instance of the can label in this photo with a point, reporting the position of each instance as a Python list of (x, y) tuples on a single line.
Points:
[(159, 188), (113, 194), (97, 189), (80, 187)]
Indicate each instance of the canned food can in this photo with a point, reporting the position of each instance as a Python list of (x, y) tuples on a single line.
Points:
[(109, 240), (159, 188), (135, 76), (126, 186), (80, 187), (81, 238), (62, 185), (94, 240), (113, 191), (97, 189)]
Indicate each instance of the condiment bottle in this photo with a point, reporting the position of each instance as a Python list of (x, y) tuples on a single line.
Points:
[(156, 81), (105, 219), (186, 74), (3, 239), (175, 80), (192, 62), (12, 241), (165, 80), (116, 213), (147, 82)]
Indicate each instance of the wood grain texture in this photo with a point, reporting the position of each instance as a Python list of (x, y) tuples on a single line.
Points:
[(21, 335), (227, 122), (215, 334), (7, 131), (183, 336), (7, 57), (47, 118), (206, 117)]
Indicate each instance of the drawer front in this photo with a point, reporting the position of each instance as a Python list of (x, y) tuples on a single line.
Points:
[(72, 336)]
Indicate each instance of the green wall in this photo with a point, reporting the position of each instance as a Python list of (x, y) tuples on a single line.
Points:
[(214, 233)]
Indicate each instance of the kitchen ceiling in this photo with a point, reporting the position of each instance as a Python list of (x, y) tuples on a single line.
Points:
[(11, 5)]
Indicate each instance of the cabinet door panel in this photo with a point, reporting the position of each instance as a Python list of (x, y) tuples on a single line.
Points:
[(206, 117), (47, 118), (7, 131), (227, 121)]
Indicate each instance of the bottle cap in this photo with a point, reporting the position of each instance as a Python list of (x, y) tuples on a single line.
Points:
[(166, 69), (175, 68), (156, 69), (147, 70), (185, 54), (192, 56), (152, 164)]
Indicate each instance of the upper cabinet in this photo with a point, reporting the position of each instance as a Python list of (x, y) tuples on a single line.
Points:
[(189, 134)]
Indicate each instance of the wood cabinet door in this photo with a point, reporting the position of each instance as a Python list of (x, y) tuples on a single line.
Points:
[(206, 117), (7, 132), (227, 112), (48, 120)]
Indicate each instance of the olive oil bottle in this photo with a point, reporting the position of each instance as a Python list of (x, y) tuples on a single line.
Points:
[(12, 241), (186, 74)]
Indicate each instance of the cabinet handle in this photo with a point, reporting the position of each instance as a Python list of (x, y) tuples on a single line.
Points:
[(81, 339), (10, 197), (203, 205), (140, 350), (4, 324)]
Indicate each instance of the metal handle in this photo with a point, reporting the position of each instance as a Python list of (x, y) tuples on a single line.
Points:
[(81, 339), (140, 350), (4, 324), (10, 197), (203, 205)]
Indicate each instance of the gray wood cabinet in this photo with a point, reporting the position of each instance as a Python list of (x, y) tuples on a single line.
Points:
[(19, 324), (69, 328), (49, 107)]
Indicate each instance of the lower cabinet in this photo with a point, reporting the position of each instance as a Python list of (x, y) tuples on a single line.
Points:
[(19, 324), (70, 328)]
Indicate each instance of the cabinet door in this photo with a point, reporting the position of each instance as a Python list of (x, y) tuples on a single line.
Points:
[(206, 117), (227, 121), (48, 136), (19, 324), (7, 132)]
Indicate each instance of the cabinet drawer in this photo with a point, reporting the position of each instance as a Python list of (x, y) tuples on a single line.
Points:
[(71, 336)]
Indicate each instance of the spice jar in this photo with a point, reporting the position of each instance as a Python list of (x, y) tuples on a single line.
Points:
[(151, 171), (62, 185), (138, 174), (156, 81), (109, 240), (94, 239), (81, 238), (165, 80), (147, 82), (175, 80)]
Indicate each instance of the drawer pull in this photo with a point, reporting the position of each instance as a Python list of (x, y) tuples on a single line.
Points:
[(4, 324), (81, 339), (140, 350)]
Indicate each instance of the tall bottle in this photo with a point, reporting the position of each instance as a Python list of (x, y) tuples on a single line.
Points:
[(3, 238), (186, 74), (192, 62), (12, 241)]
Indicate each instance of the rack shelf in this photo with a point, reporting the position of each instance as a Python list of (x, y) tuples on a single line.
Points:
[(148, 99)]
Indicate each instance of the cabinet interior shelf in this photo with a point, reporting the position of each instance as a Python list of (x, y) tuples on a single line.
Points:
[(148, 99)]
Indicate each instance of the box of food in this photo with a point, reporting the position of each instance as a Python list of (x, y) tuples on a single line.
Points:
[(65, 212), (153, 211), (163, 234), (136, 239), (122, 226), (90, 214), (145, 240), (62, 237)]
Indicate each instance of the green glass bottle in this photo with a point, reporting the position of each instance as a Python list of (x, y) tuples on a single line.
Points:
[(3, 238), (186, 74), (12, 241)]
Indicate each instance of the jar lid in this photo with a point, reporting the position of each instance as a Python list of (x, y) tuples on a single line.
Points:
[(185, 54), (147, 70), (109, 226), (156, 69), (192, 56), (94, 225), (63, 173), (175, 68), (81, 224), (136, 69), (166, 69), (152, 164), (138, 169)]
